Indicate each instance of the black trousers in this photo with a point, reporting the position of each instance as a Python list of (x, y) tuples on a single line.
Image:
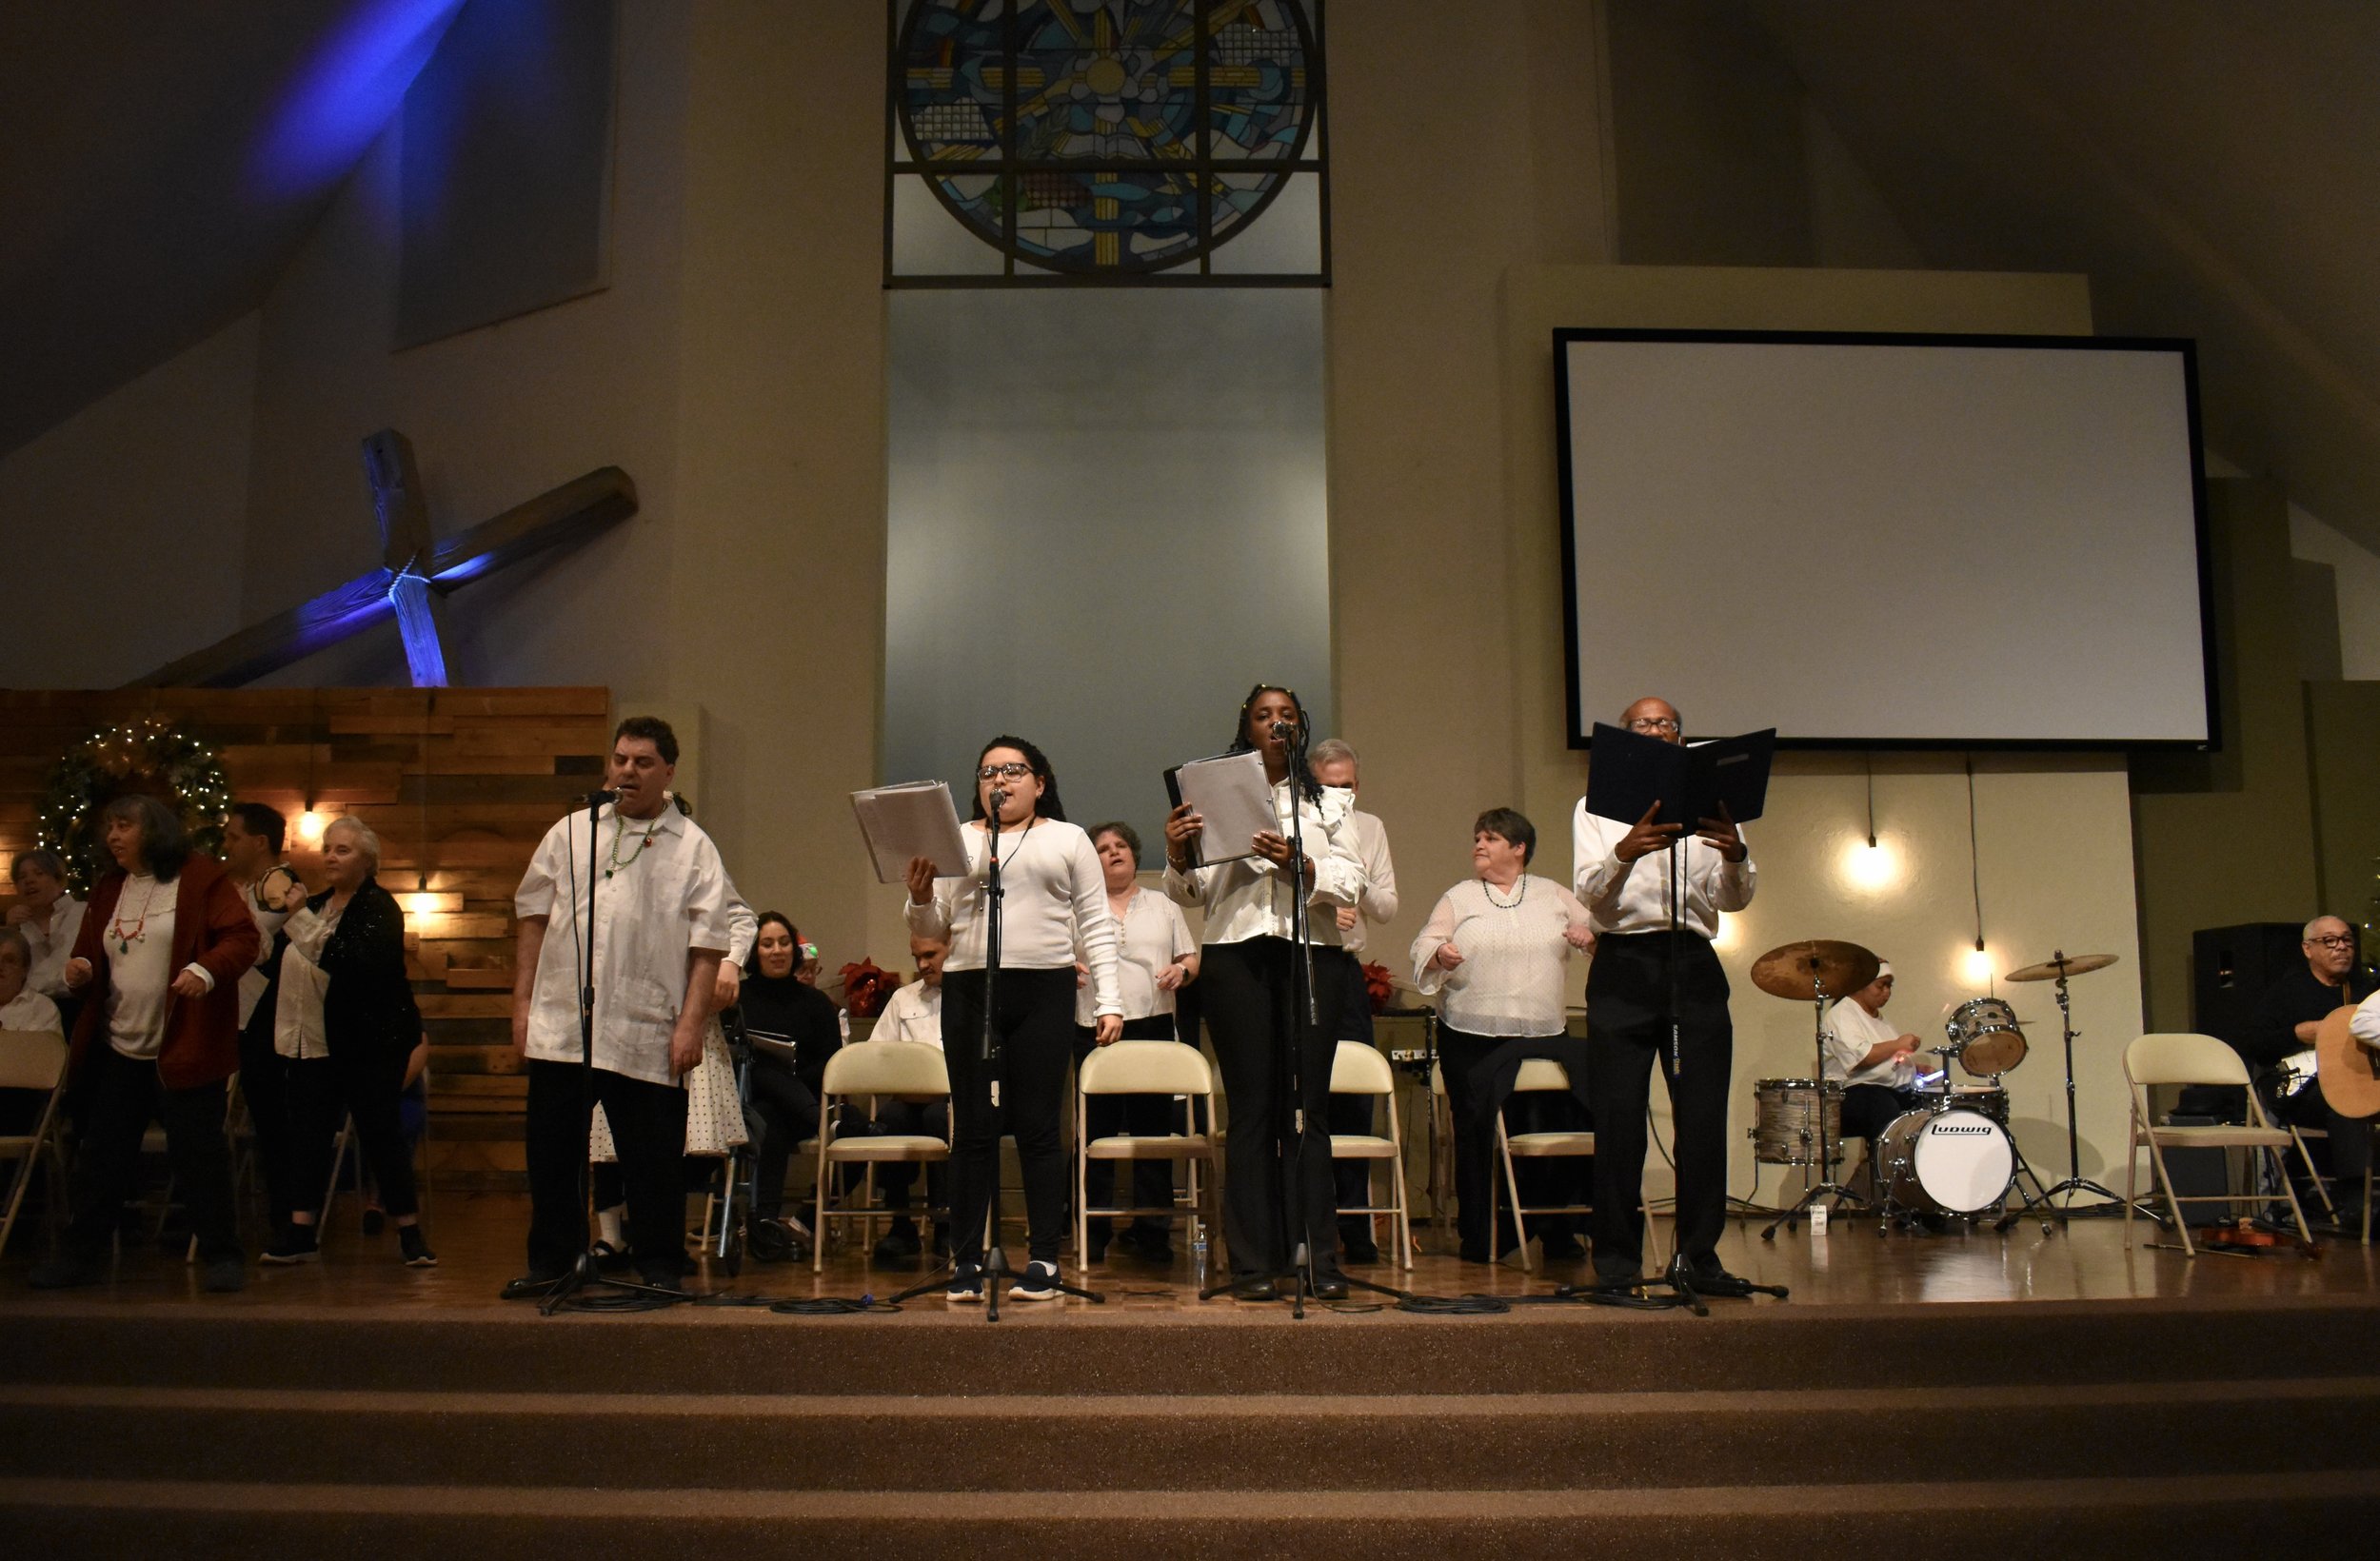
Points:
[(265, 1085), (900, 1177), (647, 1129), (2345, 1155), (1033, 1019), (1476, 1192), (788, 1114), (1143, 1117), (368, 1087), (1628, 1000), (118, 1099), (1353, 1112), (1869, 1108), (1251, 1017)]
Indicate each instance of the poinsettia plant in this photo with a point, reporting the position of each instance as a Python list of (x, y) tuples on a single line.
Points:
[(867, 987)]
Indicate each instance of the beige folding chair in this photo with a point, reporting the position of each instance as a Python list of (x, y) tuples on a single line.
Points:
[(1141, 1067), (1363, 1069), (893, 1070), (32, 1059), (2302, 1135), (1538, 1074), (2184, 1059)]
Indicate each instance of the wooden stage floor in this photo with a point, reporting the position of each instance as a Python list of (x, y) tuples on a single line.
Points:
[(478, 1239)]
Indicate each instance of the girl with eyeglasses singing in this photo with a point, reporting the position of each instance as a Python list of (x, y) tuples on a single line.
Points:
[(1054, 899)]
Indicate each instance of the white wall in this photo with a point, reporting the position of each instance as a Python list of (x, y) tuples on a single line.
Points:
[(121, 529), (2356, 569)]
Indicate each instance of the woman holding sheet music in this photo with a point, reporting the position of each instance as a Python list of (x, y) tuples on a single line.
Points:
[(1054, 900), (1249, 891)]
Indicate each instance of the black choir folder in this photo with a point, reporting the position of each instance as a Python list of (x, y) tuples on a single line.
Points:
[(1630, 772)]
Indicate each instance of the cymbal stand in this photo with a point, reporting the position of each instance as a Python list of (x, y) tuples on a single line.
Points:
[(1829, 1154), (2076, 1181)]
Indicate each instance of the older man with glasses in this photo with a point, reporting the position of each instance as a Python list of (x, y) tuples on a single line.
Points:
[(2281, 1043)]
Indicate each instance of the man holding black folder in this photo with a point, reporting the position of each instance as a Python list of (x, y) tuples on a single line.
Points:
[(1654, 892)]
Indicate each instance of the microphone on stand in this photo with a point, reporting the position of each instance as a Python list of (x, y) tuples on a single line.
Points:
[(1283, 731), (595, 799), (1000, 798)]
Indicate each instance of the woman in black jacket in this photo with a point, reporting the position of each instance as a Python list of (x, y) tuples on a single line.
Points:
[(347, 1022)]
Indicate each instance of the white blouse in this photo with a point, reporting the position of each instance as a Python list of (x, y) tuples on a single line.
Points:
[(29, 1011), (1055, 901), (1514, 951), (297, 1017), (912, 1014), (53, 945), (1155, 935), (253, 979), (1249, 897)]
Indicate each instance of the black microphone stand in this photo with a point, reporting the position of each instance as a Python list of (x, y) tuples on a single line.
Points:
[(620, 1294), (993, 1056)]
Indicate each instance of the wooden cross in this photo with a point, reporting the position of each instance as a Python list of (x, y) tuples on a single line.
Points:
[(415, 571)]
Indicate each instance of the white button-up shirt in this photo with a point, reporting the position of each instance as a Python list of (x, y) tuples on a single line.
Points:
[(912, 1014), (253, 980), (1851, 1033), (298, 1031), (1250, 896), (52, 942), (29, 1010), (1155, 935), (1377, 903), (1634, 897), (660, 904)]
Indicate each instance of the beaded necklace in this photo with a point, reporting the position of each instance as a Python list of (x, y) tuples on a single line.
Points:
[(140, 929), (1514, 904), (618, 829)]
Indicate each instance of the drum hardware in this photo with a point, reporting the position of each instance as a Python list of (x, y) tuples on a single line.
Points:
[(1812, 971), (2060, 967)]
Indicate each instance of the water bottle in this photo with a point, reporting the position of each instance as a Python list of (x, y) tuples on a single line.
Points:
[(1198, 1257)]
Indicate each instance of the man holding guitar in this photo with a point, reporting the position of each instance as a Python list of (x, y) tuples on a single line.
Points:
[(2287, 1020)]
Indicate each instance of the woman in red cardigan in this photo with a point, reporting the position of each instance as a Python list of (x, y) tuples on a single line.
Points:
[(158, 966)]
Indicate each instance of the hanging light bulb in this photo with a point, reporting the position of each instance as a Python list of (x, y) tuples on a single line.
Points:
[(1871, 865), (1976, 964), (310, 825)]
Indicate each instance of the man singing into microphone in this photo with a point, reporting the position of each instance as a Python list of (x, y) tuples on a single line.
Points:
[(1624, 875), (661, 926)]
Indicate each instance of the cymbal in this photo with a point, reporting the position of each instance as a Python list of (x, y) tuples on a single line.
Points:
[(1798, 970), (2065, 964)]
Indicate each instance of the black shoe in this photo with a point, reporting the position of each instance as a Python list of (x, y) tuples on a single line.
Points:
[(610, 1259), (1037, 1283), (1706, 1278), (967, 1286), (1330, 1287), (1153, 1246), (900, 1244), (1362, 1249), (1562, 1248), (1094, 1250), (768, 1239), (529, 1287), (65, 1271), (295, 1244), (1255, 1289), (660, 1276), (225, 1274), (1618, 1271), (415, 1248), (1475, 1252), (374, 1222)]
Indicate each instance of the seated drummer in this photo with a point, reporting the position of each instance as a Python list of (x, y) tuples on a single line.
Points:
[(1874, 1063)]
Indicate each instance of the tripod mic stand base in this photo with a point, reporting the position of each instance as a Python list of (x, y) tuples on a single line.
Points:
[(588, 1275)]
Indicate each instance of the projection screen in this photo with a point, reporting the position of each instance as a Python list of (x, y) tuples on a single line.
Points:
[(1917, 540)]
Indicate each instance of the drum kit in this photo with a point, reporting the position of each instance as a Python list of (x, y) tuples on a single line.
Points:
[(1953, 1157)]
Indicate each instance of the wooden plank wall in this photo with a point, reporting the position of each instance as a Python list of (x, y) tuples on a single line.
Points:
[(460, 785)]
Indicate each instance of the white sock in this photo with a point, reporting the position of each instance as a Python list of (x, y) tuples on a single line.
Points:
[(607, 1222)]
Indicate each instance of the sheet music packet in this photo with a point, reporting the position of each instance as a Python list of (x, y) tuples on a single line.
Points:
[(1630, 772), (1233, 799), (916, 819)]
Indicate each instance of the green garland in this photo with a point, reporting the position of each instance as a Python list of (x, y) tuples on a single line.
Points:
[(147, 756)]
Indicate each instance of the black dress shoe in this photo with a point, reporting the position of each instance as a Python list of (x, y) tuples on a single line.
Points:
[(1563, 1248), (1617, 1272), (1330, 1287), (1709, 1279), (1256, 1290), (529, 1287)]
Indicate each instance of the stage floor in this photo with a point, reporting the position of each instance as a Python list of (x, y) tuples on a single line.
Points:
[(478, 1239)]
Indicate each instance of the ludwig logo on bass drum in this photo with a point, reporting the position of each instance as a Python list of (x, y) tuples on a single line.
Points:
[(1983, 1130)]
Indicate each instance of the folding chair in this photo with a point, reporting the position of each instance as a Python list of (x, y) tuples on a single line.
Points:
[(1359, 1069), (900, 1070), (1538, 1074), (2314, 1177), (32, 1059), (1141, 1067), (2183, 1058)]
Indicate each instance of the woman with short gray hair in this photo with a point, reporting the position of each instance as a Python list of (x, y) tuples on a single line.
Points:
[(347, 1023)]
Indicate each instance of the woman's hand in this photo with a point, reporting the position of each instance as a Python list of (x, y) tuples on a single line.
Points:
[(20, 915), (1581, 935), (921, 879), (1182, 828), (728, 988), (1109, 1030), (1082, 974), (1447, 957), (77, 974), (293, 897), (190, 984), (1171, 978)]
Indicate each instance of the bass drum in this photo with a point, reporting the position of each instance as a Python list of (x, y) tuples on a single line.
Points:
[(1953, 1163)]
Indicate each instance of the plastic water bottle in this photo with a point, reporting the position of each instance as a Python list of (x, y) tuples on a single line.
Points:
[(1198, 1257)]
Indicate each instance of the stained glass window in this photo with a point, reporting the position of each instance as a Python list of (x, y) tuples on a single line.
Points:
[(1050, 142)]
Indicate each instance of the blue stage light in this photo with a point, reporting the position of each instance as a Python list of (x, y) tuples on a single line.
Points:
[(341, 96)]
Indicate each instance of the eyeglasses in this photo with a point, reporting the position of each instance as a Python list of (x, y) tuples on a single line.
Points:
[(2337, 940), (1652, 724), (1003, 772)]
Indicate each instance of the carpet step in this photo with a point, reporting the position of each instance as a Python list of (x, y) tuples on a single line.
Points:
[(1120, 1349), (2324, 1512), (1110, 1443)]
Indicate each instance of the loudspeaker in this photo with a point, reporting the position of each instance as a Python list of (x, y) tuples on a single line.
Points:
[(2230, 969)]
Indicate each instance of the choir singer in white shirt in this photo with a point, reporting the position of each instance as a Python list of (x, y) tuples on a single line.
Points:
[(1054, 900), (1623, 874), (1337, 766)]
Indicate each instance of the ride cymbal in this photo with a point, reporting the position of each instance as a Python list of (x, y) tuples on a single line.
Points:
[(2064, 964), (1798, 971)]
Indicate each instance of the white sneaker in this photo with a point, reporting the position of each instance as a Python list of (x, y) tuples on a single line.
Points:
[(1038, 1283)]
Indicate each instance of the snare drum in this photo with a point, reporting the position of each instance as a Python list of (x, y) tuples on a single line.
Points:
[(1985, 1036), (1955, 1162), (1787, 1126), (1989, 1099)]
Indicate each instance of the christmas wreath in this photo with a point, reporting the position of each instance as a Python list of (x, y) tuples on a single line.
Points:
[(145, 756)]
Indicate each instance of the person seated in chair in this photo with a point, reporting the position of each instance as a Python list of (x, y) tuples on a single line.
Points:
[(912, 1014), (1876, 1062), (2280, 1050), (23, 1011)]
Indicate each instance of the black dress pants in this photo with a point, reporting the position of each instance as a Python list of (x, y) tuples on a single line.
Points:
[(119, 1097), (1353, 1112), (1143, 1117), (915, 1119), (1477, 1186), (788, 1112), (1869, 1108), (648, 1132), (265, 1085), (1253, 1023), (1628, 1000), (1033, 1019), (323, 1090)]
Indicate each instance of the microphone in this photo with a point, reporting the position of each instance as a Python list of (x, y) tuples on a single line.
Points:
[(1283, 731), (1000, 797), (595, 799)]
